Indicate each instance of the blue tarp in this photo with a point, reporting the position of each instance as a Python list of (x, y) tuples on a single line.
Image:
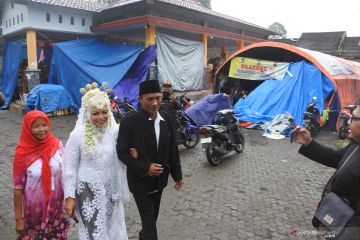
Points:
[(12, 59), (48, 98), (292, 94), (129, 85), (205, 110), (76, 63)]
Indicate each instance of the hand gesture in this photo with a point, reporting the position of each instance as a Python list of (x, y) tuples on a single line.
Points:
[(178, 185), (70, 206), (155, 170), (133, 153), (20, 226), (302, 136)]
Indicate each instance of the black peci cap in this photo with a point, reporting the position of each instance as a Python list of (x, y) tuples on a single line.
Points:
[(151, 86)]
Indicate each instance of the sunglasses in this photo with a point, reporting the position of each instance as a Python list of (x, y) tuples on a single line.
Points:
[(352, 118), (167, 85)]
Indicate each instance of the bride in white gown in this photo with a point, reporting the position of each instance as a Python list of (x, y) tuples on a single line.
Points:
[(95, 183)]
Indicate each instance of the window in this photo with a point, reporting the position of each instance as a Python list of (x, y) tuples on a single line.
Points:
[(13, 20), (60, 18), (6, 23), (10, 22), (48, 17), (22, 17), (72, 20), (83, 21), (18, 19), (12, 6)]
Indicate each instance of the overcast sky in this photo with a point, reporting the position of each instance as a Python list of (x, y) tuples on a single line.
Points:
[(296, 16)]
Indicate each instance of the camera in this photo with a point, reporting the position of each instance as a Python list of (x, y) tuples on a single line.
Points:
[(166, 96)]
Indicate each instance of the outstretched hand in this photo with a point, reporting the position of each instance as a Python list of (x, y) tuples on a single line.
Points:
[(302, 136)]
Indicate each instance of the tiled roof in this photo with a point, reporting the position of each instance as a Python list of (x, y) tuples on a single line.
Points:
[(196, 6), (350, 47), (94, 5), (88, 5), (119, 3), (327, 42)]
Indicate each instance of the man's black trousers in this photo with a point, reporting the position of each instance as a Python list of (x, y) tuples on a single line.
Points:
[(148, 206)]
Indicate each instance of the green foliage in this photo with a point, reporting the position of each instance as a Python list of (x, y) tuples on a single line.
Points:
[(279, 29), (206, 3)]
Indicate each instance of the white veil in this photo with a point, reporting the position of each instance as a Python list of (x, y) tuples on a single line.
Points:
[(121, 189)]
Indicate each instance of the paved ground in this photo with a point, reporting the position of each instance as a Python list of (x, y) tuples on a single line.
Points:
[(265, 192)]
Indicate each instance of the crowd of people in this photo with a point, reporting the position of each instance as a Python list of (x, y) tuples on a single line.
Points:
[(88, 180)]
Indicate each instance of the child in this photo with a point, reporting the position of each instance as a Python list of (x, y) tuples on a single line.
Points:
[(38, 191)]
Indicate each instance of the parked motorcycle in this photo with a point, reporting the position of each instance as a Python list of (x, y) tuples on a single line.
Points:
[(120, 109), (312, 117), (344, 121), (188, 133), (185, 102), (222, 137)]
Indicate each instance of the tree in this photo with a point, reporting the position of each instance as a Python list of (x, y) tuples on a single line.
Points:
[(206, 3), (279, 29)]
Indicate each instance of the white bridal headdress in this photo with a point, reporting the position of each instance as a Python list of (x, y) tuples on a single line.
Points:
[(94, 98)]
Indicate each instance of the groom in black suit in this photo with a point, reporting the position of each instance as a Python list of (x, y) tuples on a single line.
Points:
[(153, 136)]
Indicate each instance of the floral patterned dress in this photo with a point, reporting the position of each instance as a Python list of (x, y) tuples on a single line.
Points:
[(43, 220)]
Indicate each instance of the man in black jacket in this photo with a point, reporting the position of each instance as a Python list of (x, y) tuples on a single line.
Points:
[(346, 183), (169, 103), (152, 134)]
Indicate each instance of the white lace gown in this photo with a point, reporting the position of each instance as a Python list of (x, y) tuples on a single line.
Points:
[(99, 185)]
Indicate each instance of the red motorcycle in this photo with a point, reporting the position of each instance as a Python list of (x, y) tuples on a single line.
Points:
[(185, 102)]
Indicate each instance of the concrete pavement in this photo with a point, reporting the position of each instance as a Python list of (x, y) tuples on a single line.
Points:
[(265, 192)]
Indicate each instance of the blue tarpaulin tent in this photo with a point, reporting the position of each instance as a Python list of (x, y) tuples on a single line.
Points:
[(205, 110), (48, 98), (76, 63), (12, 58), (292, 94), (129, 86)]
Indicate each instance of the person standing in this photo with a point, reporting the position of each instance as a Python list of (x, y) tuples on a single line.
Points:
[(95, 183), (38, 191), (152, 134), (169, 103), (345, 182)]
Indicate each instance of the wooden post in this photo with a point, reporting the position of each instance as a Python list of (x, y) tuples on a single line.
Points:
[(240, 44), (204, 37), (31, 49), (150, 35)]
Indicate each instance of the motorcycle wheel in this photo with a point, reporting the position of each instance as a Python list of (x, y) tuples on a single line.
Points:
[(240, 147), (212, 156), (191, 139)]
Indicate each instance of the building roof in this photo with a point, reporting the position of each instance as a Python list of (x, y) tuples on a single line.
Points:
[(95, 6), (87, 5), (327, 42), (350, 48), (196, 6)]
